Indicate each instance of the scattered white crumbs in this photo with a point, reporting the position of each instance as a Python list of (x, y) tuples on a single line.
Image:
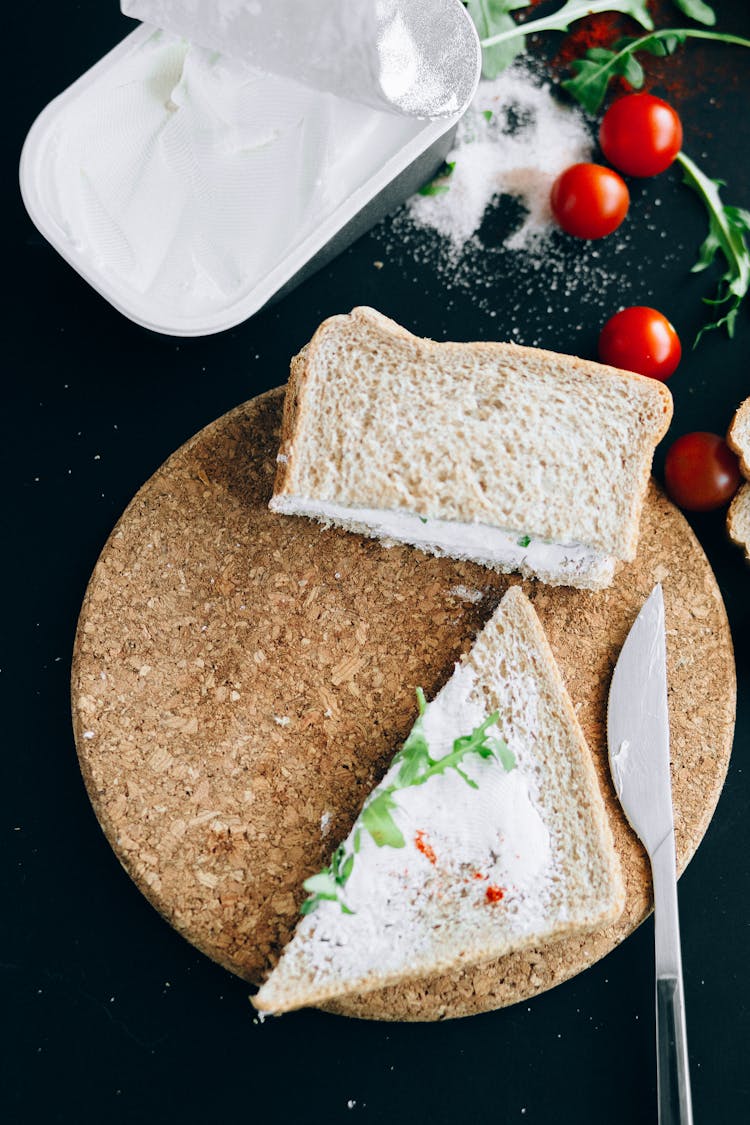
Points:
[(493, 221), (515, 139), (351, 1103), (466, 594), (282, 458), (88, 734), (282, 720), (325, 822)]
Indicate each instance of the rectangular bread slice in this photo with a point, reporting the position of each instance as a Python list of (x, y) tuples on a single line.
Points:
[(504, 849), (512, 457)]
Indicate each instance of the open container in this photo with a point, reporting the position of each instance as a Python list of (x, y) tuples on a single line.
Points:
[(196, 242)]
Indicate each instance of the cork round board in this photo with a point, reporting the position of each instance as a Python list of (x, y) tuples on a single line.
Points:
[(241, 680)]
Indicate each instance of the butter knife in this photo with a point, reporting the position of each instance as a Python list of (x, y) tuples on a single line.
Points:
[(638, 740)]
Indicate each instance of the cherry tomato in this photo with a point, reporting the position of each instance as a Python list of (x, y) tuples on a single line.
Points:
[(701, 472), (589, 201), (641, 339), (640, 135)]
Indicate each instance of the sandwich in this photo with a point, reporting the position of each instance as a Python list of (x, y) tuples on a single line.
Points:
[(511, 457), (738, 516), (487, 834)]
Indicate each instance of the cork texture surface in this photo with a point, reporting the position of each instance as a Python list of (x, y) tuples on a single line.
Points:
[(241, 681)]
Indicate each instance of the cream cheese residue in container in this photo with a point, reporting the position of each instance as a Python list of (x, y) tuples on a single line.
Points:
[(182, 177)]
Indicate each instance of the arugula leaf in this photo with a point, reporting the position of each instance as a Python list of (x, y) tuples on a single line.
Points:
[(504, 754), (697, 10), (524, 541), (727, 228), (490, 18), (571, 11), (437, 186), (323, 885), (414, 755), (377, 819), (594, 72)]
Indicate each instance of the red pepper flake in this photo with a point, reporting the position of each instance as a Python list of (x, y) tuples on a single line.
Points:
[(425, 847), (479, 875), (598, 31), (494, 894)]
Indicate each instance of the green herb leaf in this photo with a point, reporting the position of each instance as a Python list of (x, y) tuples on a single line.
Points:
[(414, 755), (323, 885), (487, 114), (697, 10), (524, 541), (593, 73), (504, 754), (438, 186), (727, 228), (346, 869), (490, 18), (377, 819)]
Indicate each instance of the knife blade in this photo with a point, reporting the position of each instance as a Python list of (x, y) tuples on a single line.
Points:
[(638, 744)]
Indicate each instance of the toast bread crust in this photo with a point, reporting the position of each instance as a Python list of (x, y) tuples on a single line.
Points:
[(738, 519), (738, 436)]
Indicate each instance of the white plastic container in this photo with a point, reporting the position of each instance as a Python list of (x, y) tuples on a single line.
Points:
[(151, 265)]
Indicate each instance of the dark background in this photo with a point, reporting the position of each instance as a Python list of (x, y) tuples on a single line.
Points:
[(109, 1016)]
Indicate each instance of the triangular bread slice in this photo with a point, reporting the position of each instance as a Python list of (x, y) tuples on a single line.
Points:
[(515, 458), (738, 516), (507, 849)]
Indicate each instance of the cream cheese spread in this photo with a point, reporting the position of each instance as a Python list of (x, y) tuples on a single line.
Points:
[(507, 550), (180, 178)]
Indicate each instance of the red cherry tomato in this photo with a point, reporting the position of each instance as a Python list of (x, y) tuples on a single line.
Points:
[(701, 472), (640, 135), (641, 339), (589, 201)]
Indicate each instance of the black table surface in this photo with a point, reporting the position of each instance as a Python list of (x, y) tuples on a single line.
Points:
[(109, 1016)]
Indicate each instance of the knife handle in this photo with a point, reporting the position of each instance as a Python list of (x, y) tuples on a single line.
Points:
[(671, 1054)]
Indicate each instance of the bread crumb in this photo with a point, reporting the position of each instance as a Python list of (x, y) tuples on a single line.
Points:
[(466, 594)]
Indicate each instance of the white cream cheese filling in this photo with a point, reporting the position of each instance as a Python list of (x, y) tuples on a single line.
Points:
[(180, 178), (512, 550)]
